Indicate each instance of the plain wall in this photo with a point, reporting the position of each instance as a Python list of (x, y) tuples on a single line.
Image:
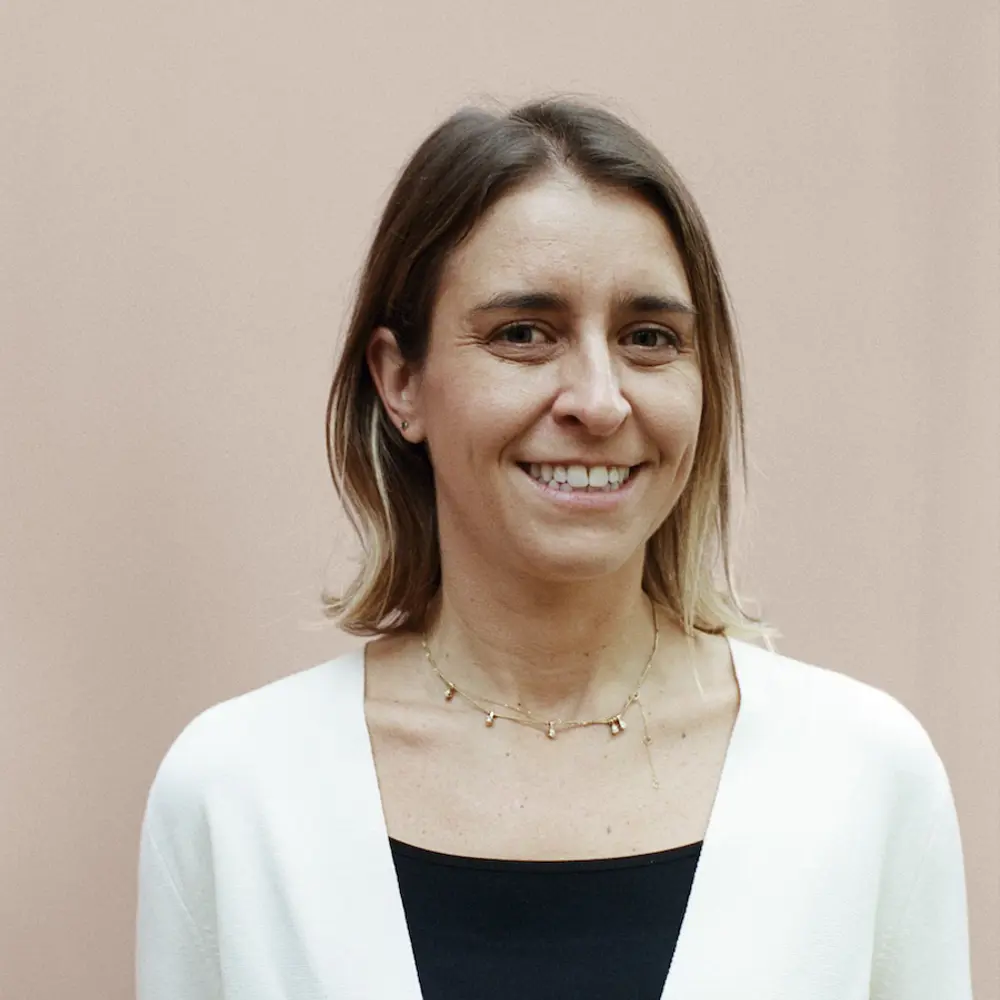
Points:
[(186, 194)]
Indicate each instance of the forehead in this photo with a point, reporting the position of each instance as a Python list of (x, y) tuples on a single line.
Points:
[(561, 232)]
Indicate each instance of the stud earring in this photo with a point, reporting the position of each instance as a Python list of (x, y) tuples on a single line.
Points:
[(404, 424)]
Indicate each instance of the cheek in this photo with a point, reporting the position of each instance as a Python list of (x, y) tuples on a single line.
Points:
[(672, 414), (478, 407)]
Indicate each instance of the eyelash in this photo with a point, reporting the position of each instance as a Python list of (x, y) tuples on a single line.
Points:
[(676, 339)]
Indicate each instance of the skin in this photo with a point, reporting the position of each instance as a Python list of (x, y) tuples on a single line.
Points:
[(541, 603)]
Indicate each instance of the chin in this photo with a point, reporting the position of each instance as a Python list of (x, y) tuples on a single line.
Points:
[(575, 564)]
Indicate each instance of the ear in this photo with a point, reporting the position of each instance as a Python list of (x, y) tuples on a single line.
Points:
[(397, 383)]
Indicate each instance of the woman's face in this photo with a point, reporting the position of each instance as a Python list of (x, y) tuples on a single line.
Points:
[(561, 347)]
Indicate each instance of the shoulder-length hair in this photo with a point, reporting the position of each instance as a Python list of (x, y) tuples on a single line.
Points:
[(461, 169)]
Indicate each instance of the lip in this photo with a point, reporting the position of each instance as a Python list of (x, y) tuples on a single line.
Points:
[(588, 463), (589, 500)]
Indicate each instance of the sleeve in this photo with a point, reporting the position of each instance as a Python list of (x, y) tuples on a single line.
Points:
[(176, 955), (922, 945)]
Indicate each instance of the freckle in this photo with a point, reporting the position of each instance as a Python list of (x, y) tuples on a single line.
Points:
[(609, 829)]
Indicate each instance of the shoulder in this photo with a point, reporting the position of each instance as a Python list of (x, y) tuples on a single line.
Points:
[(255, 736), (824, 712)]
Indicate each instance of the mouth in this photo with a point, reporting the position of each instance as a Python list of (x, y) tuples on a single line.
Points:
[(581, 478)]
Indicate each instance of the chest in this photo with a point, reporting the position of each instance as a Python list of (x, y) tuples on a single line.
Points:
[(509, 792)]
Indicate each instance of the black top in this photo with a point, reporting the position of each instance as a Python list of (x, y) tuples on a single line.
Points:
[(489, 929)]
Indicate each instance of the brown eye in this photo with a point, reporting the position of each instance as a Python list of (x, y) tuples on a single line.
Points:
[(654, 337), (518, 333)]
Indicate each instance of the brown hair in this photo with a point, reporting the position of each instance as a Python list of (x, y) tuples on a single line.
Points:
[(461, 169)]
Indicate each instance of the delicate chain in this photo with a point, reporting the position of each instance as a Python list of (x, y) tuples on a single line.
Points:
[(616, 722), (646, 740)]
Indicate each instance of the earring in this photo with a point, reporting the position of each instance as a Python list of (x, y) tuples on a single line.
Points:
[(404, 424)]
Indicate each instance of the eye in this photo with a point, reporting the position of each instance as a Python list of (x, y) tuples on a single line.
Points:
[(519, 333), (653, 337)]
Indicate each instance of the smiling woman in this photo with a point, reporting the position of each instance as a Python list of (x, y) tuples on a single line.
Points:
[(562, 335), (494, 231), (560, 767)]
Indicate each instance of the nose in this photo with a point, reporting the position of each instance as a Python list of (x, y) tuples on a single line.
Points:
[(590, 389)]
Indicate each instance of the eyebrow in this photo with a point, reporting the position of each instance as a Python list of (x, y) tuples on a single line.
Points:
[(553, 302)]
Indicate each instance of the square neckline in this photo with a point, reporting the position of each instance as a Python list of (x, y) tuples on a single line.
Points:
[(425, 855)]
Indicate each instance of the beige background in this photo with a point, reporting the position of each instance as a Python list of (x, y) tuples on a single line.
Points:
[(186, 191)]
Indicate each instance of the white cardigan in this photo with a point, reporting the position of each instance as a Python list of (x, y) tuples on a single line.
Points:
[(832, 868)]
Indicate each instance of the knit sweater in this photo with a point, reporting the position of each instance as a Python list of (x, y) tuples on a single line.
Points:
[(831, 869)]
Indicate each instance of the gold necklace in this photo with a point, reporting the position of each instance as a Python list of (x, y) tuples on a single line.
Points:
[(551, 727)]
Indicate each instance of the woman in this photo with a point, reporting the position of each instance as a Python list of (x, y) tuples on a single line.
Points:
[(561, 769)]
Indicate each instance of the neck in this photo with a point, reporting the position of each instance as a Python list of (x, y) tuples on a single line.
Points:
[(569, 651)]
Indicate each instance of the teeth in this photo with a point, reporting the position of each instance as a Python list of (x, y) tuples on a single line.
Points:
[(579, 477), (598, 477)]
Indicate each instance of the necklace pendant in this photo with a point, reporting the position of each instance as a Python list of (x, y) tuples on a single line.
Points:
[(617, 724), (551, 731), (450, 693), (490, 718)]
